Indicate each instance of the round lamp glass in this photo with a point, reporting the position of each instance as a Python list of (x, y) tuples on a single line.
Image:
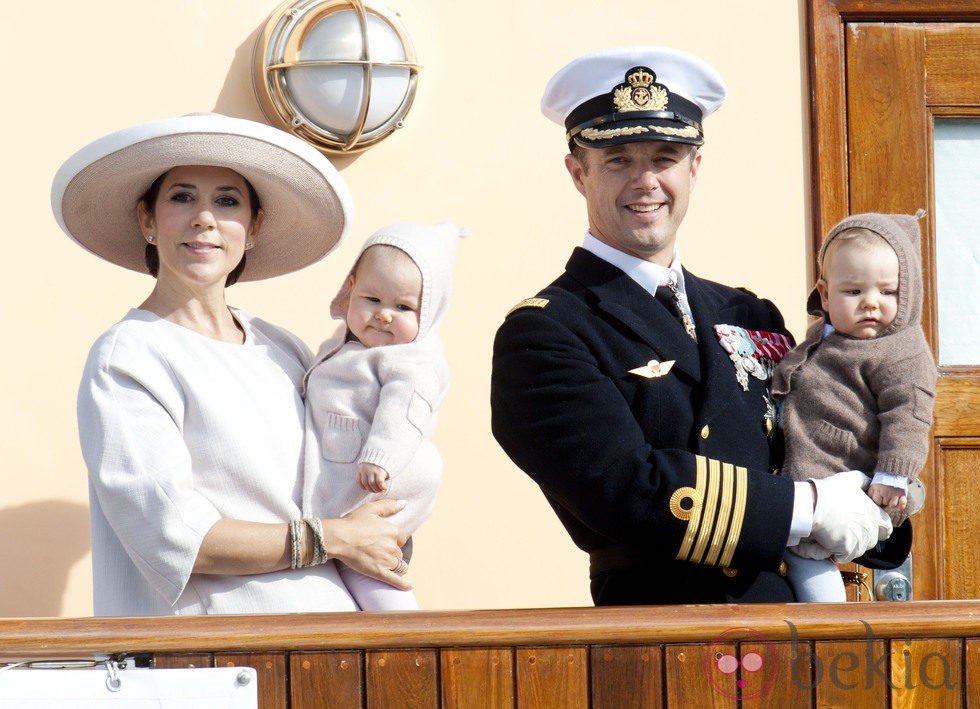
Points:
[(331, 96)]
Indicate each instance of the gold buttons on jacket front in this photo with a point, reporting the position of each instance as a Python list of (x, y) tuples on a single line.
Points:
[(705, 432)]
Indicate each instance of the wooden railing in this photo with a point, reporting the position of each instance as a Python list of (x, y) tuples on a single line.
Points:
[(922, 654)]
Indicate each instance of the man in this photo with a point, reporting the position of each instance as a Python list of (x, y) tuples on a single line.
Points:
[(645, 416)]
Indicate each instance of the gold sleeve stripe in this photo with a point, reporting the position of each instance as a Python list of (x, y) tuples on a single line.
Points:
[(738, 515), (709, 511), (693, 516), (724, 512)]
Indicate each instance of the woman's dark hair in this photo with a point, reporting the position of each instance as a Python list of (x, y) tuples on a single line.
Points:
[(152, 256)]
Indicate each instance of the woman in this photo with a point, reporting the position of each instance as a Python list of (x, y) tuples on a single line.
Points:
[(189, 412)]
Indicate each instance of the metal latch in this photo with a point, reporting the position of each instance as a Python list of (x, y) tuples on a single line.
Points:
[(896, 584)]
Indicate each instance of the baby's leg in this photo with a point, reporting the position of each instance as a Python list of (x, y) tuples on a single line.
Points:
[(374, 595), (815, 580)]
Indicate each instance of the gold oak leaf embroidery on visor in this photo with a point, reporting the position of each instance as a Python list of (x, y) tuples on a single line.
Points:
[(605, 133), (714, 510)]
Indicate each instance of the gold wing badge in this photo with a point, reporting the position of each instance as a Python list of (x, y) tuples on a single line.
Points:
[(653, 369)]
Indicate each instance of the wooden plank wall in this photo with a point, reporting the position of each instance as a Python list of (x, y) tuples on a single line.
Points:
[(921, 654), (941, 673)]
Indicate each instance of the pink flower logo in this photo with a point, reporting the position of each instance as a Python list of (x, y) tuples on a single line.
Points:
[(741, 664)]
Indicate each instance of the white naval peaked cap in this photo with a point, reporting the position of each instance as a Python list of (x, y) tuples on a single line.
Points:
[(626, 94)]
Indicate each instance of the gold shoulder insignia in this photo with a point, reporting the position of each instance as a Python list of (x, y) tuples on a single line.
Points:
[(529, 303)]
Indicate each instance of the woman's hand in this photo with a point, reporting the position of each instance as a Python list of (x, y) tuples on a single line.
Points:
[(368, 543)]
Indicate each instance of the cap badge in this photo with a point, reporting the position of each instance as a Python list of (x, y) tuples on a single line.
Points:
[(639, 92)]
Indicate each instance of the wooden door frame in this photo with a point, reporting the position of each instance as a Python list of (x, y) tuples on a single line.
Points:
[(826, 72), (839, 93)]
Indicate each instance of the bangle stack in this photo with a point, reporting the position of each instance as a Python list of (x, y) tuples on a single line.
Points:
[(296, 546), (319, 546)]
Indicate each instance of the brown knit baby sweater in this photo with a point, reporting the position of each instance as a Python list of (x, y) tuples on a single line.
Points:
[(851, 404)]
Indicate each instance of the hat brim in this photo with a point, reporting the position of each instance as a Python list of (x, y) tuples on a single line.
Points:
[(635, 130), (307, 206), (890, 553)]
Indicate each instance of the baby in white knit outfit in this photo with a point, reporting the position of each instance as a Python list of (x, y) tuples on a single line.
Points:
[(375, 386)]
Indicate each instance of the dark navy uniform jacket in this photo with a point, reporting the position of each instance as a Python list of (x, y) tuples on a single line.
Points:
[(665, 481)]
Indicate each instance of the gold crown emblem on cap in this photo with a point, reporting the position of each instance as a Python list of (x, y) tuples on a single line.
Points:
[(639, 92), (640, 77)]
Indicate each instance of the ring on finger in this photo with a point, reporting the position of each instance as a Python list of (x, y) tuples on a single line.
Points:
[(401, 567)]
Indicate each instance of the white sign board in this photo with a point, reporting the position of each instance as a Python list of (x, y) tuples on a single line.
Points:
[(137, 688)]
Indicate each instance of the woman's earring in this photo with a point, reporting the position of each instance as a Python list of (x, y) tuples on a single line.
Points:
[(249, 244), (150, 238)]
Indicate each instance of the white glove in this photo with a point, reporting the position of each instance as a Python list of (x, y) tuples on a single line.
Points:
[(846, 522), (810, 550)]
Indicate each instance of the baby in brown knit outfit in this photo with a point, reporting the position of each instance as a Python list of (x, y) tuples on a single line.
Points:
[(858, 393)]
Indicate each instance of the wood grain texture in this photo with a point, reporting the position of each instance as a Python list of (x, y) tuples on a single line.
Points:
[(402, 678), (971, 682), (884, 104), (927, 674), (325, 679), (182, 661), (477, 678), (693, 679), (84, 637), (658, 656), (552, 677), (952, 64), (768, 679), (629, 677), (851, 674), (959, 461), (960, 413)]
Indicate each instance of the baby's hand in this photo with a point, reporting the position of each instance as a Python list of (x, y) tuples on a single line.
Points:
[(888, 497), (372, 478)]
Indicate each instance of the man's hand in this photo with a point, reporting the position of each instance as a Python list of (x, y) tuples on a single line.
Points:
[(846, 522)]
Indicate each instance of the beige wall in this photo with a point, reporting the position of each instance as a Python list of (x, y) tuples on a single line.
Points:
[(474, 149)]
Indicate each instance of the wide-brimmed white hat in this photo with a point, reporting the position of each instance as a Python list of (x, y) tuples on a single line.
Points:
[(307, 205)]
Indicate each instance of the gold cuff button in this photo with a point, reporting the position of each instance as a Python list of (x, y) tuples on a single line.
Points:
[(705, 432), (730, 573)]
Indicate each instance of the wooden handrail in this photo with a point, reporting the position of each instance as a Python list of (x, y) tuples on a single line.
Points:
[(38, 638)]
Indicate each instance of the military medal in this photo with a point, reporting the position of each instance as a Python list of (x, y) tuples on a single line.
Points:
[(753, 352), (769, 418)]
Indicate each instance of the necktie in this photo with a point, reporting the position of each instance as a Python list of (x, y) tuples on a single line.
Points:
[(670, 296)]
